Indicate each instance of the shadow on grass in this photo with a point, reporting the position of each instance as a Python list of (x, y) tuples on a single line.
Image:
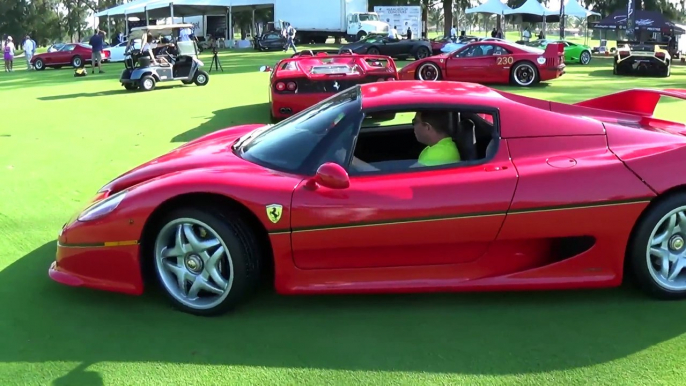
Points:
[(478, 333), (160, 87), (239, 115)]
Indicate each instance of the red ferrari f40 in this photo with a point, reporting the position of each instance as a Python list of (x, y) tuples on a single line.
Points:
[(545, 196), (310, 77), (491, 62)]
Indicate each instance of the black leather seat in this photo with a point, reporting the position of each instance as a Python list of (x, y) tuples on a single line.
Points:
[(463, 134)]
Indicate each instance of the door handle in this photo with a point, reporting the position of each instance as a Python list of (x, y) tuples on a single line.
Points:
[(494, 168)]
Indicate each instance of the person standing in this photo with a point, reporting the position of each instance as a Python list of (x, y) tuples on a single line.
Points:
[(526, 35), (29, 50), (96, 42), (290, 39), (453, 34), (9, 55)]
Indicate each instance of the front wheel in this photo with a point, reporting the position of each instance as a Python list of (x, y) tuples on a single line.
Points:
[(201, 78), (428, 71), (657, 250), (76, 61), (147, 83), (585, 58), (207, 262), (373, 51), (524, 74), (39, 65), (422, 53)]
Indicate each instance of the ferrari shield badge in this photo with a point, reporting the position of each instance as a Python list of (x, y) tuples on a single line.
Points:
[(274, 212)]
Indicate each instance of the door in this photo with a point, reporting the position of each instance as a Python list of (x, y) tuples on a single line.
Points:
[(475, 63), (62, 56), (423, 217)]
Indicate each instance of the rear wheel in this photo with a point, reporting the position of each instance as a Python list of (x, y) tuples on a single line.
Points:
[(524, 74), (657, 250), (422, 53), (373, 51), (76, 61), (207, 262)]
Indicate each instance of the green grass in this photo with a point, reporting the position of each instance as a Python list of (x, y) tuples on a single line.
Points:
[(62, 138)]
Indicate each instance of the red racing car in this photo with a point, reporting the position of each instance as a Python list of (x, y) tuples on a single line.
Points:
[(71, 54), (491, 62), (310, 77), (546, 196)]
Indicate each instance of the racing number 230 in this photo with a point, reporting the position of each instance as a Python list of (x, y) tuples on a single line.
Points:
[(505, 60)]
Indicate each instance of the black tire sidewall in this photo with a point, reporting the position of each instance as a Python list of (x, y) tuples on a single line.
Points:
[(236, 235), (636, 253)]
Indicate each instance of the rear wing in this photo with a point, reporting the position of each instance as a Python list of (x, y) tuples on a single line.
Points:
[(369, 63), (554, 50), (322, 53), (638, 101), (638, 46)]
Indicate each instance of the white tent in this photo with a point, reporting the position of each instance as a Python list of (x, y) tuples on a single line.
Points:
[(120, 10), (573, 8), (531, 7), (491, 6)]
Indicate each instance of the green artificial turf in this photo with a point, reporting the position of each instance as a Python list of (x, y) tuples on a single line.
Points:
[(62, 138)]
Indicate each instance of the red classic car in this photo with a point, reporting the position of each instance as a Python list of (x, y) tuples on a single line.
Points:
[(70, 54), (491, 62), (310, 77), (545, 196)]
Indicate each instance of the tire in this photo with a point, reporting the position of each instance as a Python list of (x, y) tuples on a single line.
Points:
[(428, 71), (147, 83), (520, 69), (235, 274), (39, 65), (667, 72), (76, 61), (422, 52), (201, 78), (373, 51), (643, 264), (585, 58)]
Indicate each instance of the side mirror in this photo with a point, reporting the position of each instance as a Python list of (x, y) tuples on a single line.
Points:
[(331, 175), (265, 69)]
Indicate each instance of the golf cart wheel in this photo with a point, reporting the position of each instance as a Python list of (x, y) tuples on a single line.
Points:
[(187, 81), (373, 51), (656, 254), (201, 78), (524, 74), (428, 71), (76, 61), (207, 261), (422, 53), (667, 72), (585, 58), (39, 65), (147, 83)]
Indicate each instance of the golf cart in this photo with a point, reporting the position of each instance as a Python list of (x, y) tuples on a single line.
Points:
[(176, 60)]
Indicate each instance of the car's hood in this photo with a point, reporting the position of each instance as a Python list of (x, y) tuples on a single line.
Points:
[(205, 152), (353, 46)]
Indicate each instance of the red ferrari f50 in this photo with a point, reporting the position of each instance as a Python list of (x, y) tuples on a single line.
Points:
[(491, 62), (571, 199), (310, 77)]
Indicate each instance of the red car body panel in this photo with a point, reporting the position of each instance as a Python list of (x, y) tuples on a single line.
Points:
[(492, 69), (319, 76), (65, 56), (530, 218)]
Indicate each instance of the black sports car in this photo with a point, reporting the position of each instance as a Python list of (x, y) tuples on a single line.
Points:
[(271, 40), (397, 49)]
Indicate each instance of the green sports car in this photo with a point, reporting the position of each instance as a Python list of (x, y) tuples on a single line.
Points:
[(574, 53)]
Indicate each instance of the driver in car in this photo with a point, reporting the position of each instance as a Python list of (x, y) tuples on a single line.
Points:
[(430, 129), (149, 46)]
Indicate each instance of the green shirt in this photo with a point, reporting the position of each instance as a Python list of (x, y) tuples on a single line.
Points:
[(443, 152)]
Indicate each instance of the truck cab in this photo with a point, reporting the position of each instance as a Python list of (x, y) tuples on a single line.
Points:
[(362, 23)]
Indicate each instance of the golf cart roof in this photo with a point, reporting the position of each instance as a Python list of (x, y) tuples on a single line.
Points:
[(163, 29)]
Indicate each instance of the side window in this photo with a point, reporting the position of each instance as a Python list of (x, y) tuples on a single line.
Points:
[(497, 50), (68, 47), (406, 141)]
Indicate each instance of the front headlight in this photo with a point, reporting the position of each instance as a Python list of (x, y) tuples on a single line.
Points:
[(103, 207)]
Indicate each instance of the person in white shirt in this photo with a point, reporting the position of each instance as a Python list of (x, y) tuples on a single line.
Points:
[(29, 50), (149, 46), (526, 35), (453, 34), (393, 33)]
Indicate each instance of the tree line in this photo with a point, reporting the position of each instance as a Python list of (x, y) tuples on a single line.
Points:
[(50, 21)]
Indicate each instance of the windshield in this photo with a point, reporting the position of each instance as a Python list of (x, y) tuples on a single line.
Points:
[(302, 142), (369, 17), (373, 38)]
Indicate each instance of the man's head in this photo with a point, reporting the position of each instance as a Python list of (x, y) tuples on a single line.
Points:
[(431, 126)]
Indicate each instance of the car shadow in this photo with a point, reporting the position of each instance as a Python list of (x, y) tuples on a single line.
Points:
[(479, 333), (159, 88), (221, 119)]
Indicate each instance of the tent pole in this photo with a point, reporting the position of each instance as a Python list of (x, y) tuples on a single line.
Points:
[(147, 19), (126, 26), (171, 10), (108, 26)]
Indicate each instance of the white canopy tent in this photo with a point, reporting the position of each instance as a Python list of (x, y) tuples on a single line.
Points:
[(158, 9), (494, 7), (532, 7)]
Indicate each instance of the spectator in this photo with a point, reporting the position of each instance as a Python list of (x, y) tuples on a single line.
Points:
[(9, 54), (29, 50), (97, 42), (526, 35)]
